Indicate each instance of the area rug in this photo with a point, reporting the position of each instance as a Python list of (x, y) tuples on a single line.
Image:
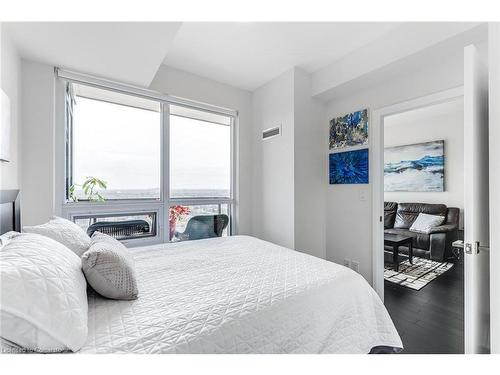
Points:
[(416, 275)]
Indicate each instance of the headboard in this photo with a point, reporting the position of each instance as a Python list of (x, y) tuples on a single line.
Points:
[(10, 211)]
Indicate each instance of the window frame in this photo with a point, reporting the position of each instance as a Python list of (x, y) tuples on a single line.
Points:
[(160, 206)]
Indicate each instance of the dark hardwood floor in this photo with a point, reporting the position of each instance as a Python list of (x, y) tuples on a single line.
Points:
[(431, 320)]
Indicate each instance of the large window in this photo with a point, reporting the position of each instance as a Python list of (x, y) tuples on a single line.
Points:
[(145, 169), (115, 151)]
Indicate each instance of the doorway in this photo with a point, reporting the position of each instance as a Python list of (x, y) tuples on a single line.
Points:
[(423, 217)]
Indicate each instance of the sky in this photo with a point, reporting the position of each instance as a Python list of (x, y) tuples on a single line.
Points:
[(121, 145)]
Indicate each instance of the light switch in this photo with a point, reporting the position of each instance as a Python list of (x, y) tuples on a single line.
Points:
[(362, 195)]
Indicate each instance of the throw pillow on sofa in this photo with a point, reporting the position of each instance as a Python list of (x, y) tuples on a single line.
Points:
[(425, 222)]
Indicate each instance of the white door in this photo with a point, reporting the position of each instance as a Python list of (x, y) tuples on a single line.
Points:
[(494, 130), (476, 205)]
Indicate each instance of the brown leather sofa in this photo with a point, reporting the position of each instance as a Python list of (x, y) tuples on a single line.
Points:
[(399, 217)]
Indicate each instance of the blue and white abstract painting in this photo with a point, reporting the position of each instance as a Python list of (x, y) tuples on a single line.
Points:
[(349, 130), (349, 167), (416, 167)]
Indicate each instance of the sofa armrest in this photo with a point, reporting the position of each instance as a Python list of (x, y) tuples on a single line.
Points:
[(443, 228), (441, 242), (437, 246)]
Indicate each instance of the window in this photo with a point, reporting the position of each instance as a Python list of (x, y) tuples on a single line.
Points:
[(122, 144), (179, 230), (200, 171), (200, 154), (115, 145)]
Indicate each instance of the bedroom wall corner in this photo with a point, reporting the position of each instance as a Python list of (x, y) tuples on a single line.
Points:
[(310, 164), (37, 136), (290, 169), (10, 81), (273, 182)]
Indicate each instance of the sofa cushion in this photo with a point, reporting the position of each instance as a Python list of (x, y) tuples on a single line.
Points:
[(419, 240), (390, 209), (407, 213)]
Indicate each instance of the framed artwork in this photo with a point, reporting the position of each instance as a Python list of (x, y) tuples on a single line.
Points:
[(349, 167), (415, 167), (349, 130), (4, 126)]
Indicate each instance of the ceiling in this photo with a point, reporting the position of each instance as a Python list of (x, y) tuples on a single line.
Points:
[(249, 54), (129, 52), (241, 54)]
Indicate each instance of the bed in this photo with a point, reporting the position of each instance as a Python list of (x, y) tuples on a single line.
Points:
[(239, 295)]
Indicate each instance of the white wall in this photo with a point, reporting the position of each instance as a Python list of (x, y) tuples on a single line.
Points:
[(273, 216), (185, 85), (290, 170), (310, 166), (349, 217), (38, 142), (431, 124), (10, 81)]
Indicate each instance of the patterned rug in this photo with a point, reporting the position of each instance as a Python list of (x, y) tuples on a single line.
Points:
[(415, 276)]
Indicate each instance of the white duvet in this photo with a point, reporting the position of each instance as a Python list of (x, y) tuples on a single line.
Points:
[(239, 295)]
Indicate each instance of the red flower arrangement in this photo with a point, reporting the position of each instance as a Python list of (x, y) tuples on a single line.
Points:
[(175, 213)]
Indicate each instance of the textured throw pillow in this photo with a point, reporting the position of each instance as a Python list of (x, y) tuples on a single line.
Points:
[(43, 299), (65, 232), (109, 268), (425, 222)]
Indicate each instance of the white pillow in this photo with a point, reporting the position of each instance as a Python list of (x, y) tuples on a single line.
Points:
[(65, 232), (43, 299), (426, 222), (4, 238), (109, 268)]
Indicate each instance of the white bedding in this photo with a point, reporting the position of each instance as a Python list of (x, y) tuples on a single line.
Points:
[(239, 295)]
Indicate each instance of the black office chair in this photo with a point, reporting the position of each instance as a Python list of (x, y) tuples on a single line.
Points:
[(204, 226)]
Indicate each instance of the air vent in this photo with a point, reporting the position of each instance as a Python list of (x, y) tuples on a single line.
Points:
[(272, 132)]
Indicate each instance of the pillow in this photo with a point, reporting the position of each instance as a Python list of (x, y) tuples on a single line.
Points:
[(425, 222), (4, 238), (43, 299), (65, 232), (109, 268)]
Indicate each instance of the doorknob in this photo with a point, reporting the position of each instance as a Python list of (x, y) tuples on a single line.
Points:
[(475, 248), (470, 248)]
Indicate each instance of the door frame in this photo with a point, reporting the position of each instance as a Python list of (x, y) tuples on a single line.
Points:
[(377, 171), (494, 134)]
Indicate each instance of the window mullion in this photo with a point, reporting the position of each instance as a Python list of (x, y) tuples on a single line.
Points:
[(165, 163)]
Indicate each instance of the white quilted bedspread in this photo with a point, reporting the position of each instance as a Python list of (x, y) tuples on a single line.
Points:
[(239, 295)]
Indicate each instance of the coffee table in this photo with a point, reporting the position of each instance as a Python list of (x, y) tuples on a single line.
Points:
[(395, 241)]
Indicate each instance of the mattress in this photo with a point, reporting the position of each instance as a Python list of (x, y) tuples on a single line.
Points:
[(239, 295)]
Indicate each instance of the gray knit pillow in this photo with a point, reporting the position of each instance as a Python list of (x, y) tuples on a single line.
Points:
[(109, 268)]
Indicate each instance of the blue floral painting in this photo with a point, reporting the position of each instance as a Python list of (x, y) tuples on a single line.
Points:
[(349, 130), (349, 167)]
